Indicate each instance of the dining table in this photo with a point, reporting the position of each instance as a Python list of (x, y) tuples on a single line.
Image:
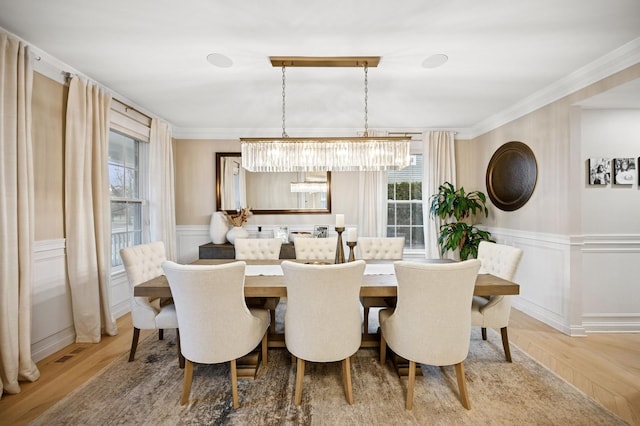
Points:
[(264, 279), (378, 281)]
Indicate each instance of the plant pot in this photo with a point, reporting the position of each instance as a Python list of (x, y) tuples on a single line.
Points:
[(237, 232)]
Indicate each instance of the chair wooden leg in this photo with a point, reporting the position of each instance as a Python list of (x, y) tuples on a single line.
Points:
[(484, 333), (186, 387), (505, 343), (134, 343), (365, 322), (410, 384), (180, 356), (272, 326), (299, 380), (234, 384), (265, 347), (346, 380), (462, 386), (383, 350), (160, 334)]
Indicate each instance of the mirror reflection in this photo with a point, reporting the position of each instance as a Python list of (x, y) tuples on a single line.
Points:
[(269, 193)]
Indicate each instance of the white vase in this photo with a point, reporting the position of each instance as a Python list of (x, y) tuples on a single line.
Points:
[(237, 232), (218, 228)]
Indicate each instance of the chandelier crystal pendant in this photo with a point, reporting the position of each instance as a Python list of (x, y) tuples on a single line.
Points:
[(364, 153)]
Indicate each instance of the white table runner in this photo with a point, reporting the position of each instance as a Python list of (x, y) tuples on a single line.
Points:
[(275, 270), (254, 270)]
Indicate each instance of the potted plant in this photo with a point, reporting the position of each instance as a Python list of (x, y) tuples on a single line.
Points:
[(457, 209)]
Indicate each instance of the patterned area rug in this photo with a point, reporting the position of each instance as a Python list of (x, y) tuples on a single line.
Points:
[(147, 392)]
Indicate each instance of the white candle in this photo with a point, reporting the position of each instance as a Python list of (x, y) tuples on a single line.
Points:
[(352, 235), (339, 221)]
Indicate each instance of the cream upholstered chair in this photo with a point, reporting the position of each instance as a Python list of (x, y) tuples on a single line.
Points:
[(502, 261), (378, 248), (322, 321), (431, 323), (257, 248), (142, 263), (381, 248), (215, 324), (260, 249), (316, 248)]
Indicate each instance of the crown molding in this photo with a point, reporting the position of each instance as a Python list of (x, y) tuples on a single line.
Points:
[(625, 56)]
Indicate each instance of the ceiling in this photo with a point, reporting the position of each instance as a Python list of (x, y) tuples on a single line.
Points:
[(502, 55)]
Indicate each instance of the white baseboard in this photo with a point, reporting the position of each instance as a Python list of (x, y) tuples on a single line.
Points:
[(615, 323), (52, 344)]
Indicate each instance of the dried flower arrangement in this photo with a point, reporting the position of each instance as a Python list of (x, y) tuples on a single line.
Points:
[(239, 218)]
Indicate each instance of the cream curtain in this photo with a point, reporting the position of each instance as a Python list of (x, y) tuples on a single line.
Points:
[(87, 223), (372, 205), (162, 214), (16, 216), (439, 167)]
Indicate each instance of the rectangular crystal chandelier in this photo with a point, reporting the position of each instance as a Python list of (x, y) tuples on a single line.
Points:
[(325, 154), (345, 154)]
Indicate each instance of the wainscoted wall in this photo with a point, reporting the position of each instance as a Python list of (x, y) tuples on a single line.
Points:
[(52, 322), (52, 319), (596, 296), (610, 291)]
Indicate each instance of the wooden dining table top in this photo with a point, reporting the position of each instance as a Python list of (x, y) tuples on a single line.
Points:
[(373, 285)]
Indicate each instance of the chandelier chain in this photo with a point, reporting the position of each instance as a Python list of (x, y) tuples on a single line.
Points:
[(284, 86), (366, 100)]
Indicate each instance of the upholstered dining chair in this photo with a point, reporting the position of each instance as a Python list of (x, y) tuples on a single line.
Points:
[(142, 263), (260, 249), (378, 248), (322, 322), (215, 324), (257, 248), (431, 323), (502, 261), (316, 248)]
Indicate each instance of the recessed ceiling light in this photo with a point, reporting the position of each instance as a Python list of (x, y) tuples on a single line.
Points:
[(219, 60), (435, 61)]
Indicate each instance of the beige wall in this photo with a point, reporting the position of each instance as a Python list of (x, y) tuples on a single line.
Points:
[(195, 178), (547, 132), (48, 108)]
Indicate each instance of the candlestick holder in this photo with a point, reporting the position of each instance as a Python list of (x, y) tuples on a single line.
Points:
[(339, 248), (351, 245)]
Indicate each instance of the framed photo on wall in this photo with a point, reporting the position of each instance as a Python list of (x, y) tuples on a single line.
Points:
[(624, 171), (599, 171)]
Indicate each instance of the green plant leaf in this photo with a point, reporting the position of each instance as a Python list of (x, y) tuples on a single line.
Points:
[(453, 206)]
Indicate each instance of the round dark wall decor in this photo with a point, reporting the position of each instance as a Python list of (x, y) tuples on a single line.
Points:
[(511, 176)]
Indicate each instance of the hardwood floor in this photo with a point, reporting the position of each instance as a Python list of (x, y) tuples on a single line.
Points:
[(604, 366)]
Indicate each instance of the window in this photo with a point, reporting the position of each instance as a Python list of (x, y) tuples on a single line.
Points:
[(127, 185), (404, 205)]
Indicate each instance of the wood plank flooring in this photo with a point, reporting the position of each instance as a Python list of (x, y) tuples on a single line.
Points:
[(604, 366)]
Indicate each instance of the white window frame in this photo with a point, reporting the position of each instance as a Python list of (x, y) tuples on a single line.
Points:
[(408, 250), (142, 199)]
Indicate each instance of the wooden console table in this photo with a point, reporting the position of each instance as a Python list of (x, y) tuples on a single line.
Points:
[(227, 251)]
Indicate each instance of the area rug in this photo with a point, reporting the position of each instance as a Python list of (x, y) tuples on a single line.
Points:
[(147, 392)]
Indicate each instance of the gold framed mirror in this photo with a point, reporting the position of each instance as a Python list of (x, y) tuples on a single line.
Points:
[(270, 193)]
